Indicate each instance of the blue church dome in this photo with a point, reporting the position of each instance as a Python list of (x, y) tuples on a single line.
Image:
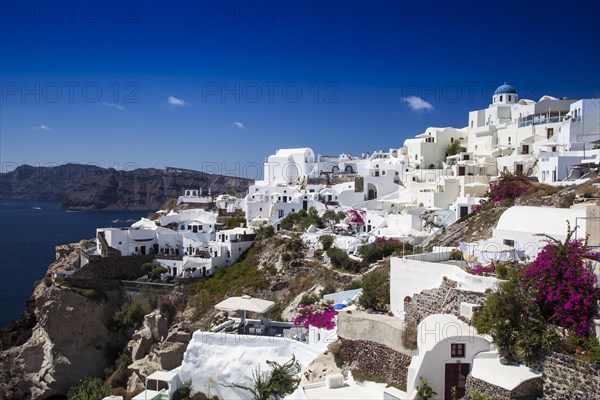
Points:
[(505, 89)]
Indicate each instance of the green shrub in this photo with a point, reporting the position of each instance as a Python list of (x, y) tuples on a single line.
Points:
[(327, 289), (159, 270), (301, 220), (326, 241), (331, 217), (587, 348), (295, 244), (235, 222), (354, 284), (340, 259), (89, 389), (381, 249), (131, 315), (453, 148), (147, 267), (274, 385), (270, 268), (93, 294), (475, 395), (424, 391), (265, 232), (286, 257), (376, 290), (456, 254), (309, 298), (513, 319)]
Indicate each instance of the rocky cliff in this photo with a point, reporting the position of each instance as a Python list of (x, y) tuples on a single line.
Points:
[(63, 336), (88, 187)]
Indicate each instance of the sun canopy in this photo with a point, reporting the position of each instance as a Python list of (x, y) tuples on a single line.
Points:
[(485, 252), (245, 303)]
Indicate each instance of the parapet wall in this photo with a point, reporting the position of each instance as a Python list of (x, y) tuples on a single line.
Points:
[(113, 268), (381, 329), (443, 300), (376, 359), (566, 377), (528, 390)]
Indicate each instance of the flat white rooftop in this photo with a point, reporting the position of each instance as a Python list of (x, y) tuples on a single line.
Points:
[(362, 391)]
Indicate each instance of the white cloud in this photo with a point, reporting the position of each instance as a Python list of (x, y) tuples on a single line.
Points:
[(114, 105), (174, 101), (418, 104), (238, 125), (42, 127)]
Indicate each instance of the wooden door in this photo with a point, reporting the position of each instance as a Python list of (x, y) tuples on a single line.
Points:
[(456, 376)]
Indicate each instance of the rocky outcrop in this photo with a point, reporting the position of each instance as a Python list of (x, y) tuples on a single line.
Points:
[(69, 342), (155, 347), (88, 187), (65, 333)]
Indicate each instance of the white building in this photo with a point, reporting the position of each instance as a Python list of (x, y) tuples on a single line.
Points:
[(520, 226)]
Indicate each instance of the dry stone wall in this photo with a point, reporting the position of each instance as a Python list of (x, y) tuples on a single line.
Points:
[(443, 300), (566, 377), (375, 359)]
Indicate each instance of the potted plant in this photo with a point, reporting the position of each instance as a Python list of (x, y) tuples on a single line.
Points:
[(424, 391)]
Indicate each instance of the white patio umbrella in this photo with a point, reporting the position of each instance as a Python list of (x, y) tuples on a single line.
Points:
[(245, 303)]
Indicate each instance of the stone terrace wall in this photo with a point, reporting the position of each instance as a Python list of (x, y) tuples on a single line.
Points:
[(528, 390), (566, 377), (483, 387), (375, 359), (443, 300), (109, 268)]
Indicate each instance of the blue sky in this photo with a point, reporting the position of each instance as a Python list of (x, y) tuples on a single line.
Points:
[(218, 86)]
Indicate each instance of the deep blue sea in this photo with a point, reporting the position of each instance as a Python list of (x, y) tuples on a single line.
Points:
[(29, 230)]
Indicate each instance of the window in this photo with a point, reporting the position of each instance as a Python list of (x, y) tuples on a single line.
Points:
[(509, 97), (280, 214), (509, 140), (500, 97), (509, 242), (457, 350), (549, 133)]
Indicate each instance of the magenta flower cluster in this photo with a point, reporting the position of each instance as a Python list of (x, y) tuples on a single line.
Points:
[(320, 316), (508, 187), (566, 289), (383, 239), (483, 270), (356, 216)]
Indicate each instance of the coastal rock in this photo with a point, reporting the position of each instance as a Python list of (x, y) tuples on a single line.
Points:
[(154, 329), (161, 350), (69, 342)]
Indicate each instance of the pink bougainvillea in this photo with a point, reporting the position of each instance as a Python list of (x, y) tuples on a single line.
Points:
[(505, 190), (483, 270), (320, 316), (566, 289), (508, 188)]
